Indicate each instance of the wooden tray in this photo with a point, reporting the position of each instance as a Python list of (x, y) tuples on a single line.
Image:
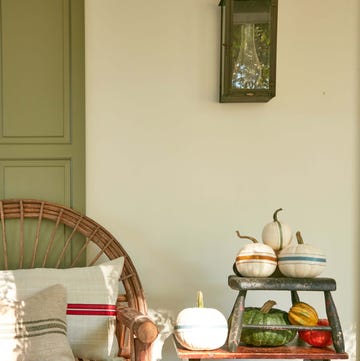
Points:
[(279, 352)]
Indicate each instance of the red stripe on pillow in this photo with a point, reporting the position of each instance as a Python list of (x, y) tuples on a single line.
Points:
[(91, 313), (91, 309), (97, 306)]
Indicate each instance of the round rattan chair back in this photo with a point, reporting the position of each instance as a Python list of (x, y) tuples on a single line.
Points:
[(46, 231), (38, 233)]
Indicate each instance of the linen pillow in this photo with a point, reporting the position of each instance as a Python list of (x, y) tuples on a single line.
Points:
[(35, 328), (91, 312)]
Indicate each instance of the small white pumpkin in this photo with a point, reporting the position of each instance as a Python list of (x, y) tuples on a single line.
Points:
[(276, 234), (255, 259), (301, 260), (201, 328)]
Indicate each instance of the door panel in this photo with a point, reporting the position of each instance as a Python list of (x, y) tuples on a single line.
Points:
[(44, 179), (42, 106), (35, 68), (42, 91)]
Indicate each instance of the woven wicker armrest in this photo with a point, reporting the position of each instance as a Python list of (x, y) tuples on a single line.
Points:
[(143, 328)]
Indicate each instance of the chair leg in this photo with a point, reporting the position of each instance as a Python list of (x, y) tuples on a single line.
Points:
[(141, 351)]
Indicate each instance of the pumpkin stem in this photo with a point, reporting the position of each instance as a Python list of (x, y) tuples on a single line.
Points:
[(267, 306), (275, 214), (200, 299), (247, 237), (299, 238)]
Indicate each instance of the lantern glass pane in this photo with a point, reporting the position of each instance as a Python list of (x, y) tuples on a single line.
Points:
[(250, 47)]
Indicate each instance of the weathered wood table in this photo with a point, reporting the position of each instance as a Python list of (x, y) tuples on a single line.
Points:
[(247, 352), (297, 350)]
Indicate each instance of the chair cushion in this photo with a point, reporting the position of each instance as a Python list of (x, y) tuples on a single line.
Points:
[(35, 328), (92, 293)]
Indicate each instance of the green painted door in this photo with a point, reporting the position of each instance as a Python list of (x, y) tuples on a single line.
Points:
[(42, 126), (42, 117)]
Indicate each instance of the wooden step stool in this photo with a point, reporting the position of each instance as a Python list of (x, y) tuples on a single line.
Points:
[(234, 350)]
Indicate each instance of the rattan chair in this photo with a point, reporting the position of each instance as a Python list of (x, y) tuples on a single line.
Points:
[(135, 331)]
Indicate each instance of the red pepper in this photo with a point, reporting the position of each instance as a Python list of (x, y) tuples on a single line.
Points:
[(317, 338)]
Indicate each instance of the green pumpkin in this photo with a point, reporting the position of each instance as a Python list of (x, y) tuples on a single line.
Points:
[(266, 315)]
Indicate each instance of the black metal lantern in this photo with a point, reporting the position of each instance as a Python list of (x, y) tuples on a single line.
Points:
[(248, 50)]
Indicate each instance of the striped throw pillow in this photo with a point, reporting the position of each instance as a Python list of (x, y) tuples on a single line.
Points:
[(35, 328), (91, 295)]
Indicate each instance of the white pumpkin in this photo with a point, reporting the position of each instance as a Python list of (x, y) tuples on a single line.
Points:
[(201, 328), (276, 234), (255, 259), (301, 260)]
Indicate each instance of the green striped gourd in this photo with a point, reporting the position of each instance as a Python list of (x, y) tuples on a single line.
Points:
[(303, 314)]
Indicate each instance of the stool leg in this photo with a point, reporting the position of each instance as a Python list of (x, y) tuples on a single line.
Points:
[(337, 335), (236, 321)]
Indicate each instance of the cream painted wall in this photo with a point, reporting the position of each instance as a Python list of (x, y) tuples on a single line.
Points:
[(173, 173)]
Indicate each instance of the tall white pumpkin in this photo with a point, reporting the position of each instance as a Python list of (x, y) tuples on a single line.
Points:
[(201, 328), (276, 234)]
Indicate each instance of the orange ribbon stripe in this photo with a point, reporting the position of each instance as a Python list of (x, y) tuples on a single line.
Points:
[(256, 256)]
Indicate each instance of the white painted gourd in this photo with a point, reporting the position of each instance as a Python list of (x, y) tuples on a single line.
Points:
[(201, 328), (255, 259), (301, 260), (276, 234)]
